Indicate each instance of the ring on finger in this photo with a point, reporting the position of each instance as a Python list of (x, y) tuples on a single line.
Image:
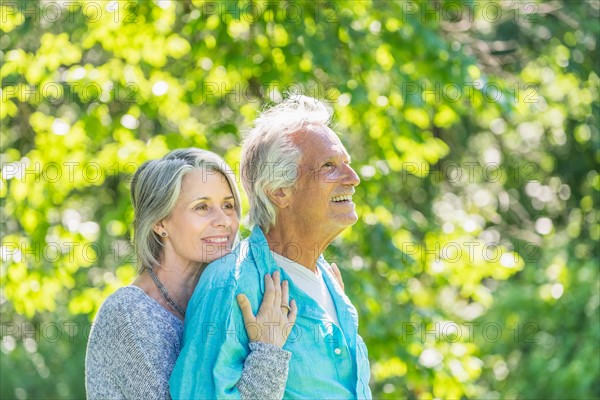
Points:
[(287, 307)]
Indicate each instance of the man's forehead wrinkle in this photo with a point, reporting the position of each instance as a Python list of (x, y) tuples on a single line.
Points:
[(317, 143), (303, 134)]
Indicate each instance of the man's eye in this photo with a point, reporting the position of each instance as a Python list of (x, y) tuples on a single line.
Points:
[(328, 165)]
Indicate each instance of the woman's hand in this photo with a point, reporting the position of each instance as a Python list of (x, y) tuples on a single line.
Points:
[(276, 316)]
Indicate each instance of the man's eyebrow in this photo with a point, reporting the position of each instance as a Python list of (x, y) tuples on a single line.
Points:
[(335, 157)]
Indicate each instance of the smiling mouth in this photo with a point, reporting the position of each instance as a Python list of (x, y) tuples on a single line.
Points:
[(216, 240), (346, 198)]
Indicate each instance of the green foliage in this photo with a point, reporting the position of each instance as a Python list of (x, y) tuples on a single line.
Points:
[(473, 126)]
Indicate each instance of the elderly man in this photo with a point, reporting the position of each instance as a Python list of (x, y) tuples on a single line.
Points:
[(298, 178)]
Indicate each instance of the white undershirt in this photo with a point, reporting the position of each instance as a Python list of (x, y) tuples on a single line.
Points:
[(313, 284)]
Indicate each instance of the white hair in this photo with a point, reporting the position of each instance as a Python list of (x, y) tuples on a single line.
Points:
[(269, 157)]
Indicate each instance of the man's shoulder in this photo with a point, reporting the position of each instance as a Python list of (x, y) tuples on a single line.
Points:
[(219, 284), (238, 268)]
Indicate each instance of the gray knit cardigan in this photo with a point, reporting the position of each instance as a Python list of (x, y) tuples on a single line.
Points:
[(134, 343)]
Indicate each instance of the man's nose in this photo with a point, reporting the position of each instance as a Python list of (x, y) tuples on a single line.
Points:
[(350, 176)]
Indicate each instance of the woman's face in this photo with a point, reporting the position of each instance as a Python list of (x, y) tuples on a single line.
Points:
[(203, 224)]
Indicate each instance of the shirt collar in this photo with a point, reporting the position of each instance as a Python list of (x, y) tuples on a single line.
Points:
[(265, 264)]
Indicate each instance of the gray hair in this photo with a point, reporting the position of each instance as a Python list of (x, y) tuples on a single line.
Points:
[(155, 188), (269, 157)]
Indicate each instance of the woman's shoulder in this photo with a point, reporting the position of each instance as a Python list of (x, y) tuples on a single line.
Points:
[(130, 307), (127, 295), (125, 299)]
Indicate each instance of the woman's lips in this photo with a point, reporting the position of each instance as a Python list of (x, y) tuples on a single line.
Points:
[(216, 239)]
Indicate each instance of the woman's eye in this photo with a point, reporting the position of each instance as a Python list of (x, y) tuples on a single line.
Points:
[(201, 207), (328, 165), (228, 206)]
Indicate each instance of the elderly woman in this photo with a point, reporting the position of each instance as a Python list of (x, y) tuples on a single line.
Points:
[(187, 211)]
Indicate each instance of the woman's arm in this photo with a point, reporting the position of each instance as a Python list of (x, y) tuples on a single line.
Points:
[(266, 367), (265, 372), (127, 356)]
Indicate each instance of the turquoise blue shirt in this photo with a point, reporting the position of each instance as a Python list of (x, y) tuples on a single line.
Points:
[(328, 361)]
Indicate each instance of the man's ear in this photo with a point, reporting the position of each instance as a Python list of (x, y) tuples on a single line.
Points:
[(280, 197)]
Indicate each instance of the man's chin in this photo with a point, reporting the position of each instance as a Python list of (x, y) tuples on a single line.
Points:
[(352, 219), (347, 221)]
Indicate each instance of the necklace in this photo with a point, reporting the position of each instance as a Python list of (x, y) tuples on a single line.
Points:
[(164, 293)]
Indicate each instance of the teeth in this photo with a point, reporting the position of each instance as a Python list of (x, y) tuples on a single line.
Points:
[(347, 197), (222, 240)]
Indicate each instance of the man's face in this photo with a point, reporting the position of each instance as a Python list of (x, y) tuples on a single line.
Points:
[(322, 196)]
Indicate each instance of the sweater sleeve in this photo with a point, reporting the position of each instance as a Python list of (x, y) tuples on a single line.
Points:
[(126, 355), (137, 375), (265, 372)]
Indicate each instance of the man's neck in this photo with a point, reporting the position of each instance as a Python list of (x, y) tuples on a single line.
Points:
[(301, 248)]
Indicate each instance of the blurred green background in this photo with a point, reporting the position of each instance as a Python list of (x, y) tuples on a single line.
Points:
[(473, 126)]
